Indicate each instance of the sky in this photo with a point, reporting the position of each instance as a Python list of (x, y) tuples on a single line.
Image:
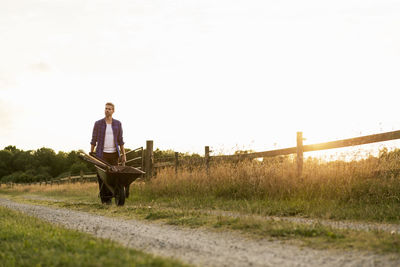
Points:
[(187, 74)]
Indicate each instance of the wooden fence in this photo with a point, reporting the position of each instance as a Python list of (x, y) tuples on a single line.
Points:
[(144, 158), (298, 150), (135, 158)]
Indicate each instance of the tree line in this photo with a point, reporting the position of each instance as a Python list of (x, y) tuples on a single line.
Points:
[(43, 164)]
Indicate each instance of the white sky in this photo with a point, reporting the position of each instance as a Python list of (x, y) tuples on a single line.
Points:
[(228, 74)]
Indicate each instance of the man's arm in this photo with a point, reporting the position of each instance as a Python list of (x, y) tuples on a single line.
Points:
[(94, 138), (123, 155), (121, 144)]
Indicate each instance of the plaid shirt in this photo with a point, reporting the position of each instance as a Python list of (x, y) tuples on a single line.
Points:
[(99, 133)]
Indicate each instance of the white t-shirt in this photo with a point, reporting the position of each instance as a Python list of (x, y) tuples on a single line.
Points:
[(109, 144)]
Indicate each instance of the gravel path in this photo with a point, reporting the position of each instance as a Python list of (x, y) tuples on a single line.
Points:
[(197, 246)]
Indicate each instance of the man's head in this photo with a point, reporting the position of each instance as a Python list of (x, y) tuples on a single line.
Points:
[(109, 109)]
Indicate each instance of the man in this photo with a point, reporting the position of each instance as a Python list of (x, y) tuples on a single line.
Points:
[(108, 141)]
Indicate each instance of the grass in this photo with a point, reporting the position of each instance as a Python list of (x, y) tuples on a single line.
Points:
[(27, 241), (358, 190), (367, 189), (315, 235)]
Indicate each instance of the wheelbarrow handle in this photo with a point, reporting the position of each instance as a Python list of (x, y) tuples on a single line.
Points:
[(94, 160)]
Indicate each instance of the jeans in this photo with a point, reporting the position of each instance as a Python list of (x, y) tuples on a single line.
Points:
[(105, 193)]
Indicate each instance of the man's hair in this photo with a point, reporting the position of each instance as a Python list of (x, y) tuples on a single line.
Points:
[(110, 104)]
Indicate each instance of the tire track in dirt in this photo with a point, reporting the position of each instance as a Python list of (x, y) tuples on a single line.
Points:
[(198, 246)]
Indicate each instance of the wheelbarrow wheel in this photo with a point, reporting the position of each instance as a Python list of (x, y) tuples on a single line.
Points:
[(119, 195)]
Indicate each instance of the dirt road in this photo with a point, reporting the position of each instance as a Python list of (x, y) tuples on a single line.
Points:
[(197, 246)]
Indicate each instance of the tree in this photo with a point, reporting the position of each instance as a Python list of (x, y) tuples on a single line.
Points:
[(22, 161), (77, 167), (11, 148), (5, 162)]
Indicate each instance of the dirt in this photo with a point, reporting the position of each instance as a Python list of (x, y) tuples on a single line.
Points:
[(198, 246)]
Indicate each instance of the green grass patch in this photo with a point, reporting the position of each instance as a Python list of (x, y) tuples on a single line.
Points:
[(28, 241), (243, 216)]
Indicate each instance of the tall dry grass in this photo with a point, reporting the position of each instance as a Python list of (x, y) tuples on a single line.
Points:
[(371, 180)]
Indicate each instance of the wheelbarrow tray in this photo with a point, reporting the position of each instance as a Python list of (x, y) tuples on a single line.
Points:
[(118, 175)]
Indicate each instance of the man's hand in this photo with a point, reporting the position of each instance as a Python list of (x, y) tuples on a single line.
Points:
[(123, 159)]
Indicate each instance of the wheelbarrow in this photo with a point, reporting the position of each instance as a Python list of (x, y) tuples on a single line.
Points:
[(116, 178)]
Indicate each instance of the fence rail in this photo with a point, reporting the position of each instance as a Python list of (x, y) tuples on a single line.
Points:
[(264, 154), (77, 178), (362, 140), (163, 164), (134, 159), (137, 161)]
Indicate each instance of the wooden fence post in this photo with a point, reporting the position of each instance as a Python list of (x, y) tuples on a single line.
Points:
[(149, 159), (176, 163), (207, 158), (300, 151), (143, 156)]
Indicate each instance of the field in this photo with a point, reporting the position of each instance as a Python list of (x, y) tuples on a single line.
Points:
[(253, 198), (367, 189)]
